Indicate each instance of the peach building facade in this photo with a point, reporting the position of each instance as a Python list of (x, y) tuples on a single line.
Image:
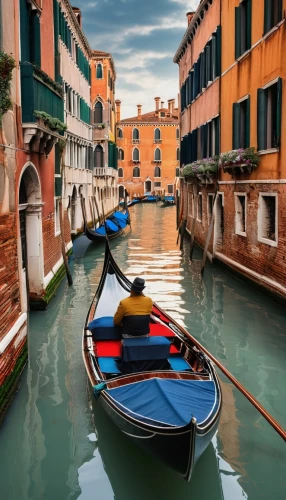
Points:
[(148, 150)]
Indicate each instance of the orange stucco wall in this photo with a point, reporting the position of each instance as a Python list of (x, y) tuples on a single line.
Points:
[(47, 38), (147, 147), (100, 89), (204, 108), (264, 63)]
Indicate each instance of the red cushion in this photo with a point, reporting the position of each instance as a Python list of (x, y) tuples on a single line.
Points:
[(156, 329), (174, 350), (108, 348)]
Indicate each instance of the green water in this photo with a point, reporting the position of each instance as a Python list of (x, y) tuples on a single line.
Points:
[(54, 445)]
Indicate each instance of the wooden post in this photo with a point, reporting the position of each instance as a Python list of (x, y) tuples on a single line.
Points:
[(97, 209), (92, 213), (183, 230), (208, 238), (193, 230), (68, 273)]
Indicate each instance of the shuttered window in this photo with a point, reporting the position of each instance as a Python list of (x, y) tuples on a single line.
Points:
[(157, 154), (157, 172), (157, 134), (120, 172), (136, 172), (272, 13), (99, 71), (120, 154), (135, 134), (135, 155), (269, 116), (98, 112), (98, 157), (242, 28), (241, 124)]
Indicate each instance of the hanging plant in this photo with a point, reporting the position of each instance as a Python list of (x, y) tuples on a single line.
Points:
[(7, 64), (52, 123)]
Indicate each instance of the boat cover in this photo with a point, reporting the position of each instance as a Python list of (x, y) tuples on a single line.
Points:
[(120, 215), (169, 198), (110, 226), (167, 402)]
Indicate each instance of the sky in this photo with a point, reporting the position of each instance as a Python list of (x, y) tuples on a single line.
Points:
[(143, 37)]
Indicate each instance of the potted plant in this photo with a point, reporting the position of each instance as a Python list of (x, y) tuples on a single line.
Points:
[(239, 160)]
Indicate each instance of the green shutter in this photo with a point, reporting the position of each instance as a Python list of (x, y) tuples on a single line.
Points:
[(217, 136), (237, 32), (267, 15), (58, 186), (248, 24), (214, 57), (208, 64), (218, 50), (261, 120), (194, 140), (57, 159), (24, 31), (278, 113), (235, 125), (35, 37), (247, 124)]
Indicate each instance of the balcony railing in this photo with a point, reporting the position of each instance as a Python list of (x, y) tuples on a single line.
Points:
[(157, 141), (135, 141), (106, 171)]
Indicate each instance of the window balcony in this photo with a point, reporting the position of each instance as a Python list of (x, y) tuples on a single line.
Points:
[(41, 94), (105, 172), (135, 141), (100, 131), (157, 141), (157, 161)]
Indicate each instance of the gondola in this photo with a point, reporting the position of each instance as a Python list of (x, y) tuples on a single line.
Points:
[(160, 390), (151, 199), (168, 201), (115, 224)]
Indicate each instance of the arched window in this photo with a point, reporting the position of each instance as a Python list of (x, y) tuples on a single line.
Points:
[(99, 71), (136, 172), (121, 191), (177, 172), (120, 172), (135, 134), (178, 154), (177, 134), (135, 155), (157, 172), (120, 154), (157, 134), (157, 155), (98, 112), (98, 157), (119, 133)]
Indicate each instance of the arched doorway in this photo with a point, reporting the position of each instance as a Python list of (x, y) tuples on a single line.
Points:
[(148, 186), (31, 259), (121, 192)]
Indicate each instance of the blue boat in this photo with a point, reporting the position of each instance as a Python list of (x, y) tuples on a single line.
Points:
[(168, 201), (161, 391), (114, 225)]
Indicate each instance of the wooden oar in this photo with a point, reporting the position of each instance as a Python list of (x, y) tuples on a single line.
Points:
[(235, 382)]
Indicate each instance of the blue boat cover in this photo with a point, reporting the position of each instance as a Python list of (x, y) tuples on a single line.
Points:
[(165, 401), (104, 329), (120, 215), (110, 226), (169, 198), (145, 348), (151, 198)]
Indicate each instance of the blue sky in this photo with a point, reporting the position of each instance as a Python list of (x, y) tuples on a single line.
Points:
[(142, 36)]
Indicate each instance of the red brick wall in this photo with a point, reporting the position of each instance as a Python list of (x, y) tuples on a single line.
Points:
[(52, 244), (9, 277)]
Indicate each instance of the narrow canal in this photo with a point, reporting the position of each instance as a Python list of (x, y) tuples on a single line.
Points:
[(54, 446)]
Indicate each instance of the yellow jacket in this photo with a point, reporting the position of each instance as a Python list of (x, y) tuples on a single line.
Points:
[(135, 305)]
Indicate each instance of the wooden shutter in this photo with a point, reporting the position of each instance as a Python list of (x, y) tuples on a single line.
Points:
[(208, 64), (278, 113), (267, 15), (248, 23), (205, 140), (217, 136), (247, 124), (237, 32), (235, 125), (218, 50), (261, 119), (35, 40), (195, 145)]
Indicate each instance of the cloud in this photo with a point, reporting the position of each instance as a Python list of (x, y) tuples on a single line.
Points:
[(142, 59)]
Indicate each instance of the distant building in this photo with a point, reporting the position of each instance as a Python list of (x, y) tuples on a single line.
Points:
[(148, 150), (232, 76)]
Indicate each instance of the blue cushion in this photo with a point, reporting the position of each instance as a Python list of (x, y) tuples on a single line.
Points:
[(178, 363), (108, 365), (145, 348), (104, 329)]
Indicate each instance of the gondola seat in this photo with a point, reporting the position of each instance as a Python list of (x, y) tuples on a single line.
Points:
[(144, 354), (104, 329)]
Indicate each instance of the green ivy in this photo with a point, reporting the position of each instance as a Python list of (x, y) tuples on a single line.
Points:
[(7, 64), (52, 123)]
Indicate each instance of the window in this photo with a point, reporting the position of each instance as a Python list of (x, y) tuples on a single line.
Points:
[(177, 133), (178, 154), (98, 157), (157, 172), (177, 174), (162, 114), (148, 186), (157, 135), (269, 116), (272, 14), (242, 28), (241, 124), (121, 191), (136, 172), (267, 218), (170, 189), (135, 154), (135, 135), (57, 216), (210, 204), (157, 154), (120, 172), (119, 133), (157, 184), (240, 213), (120, 154), (98, 112), (99, 72), (200, 207)]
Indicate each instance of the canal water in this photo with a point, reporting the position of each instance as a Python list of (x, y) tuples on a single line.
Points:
[(55, 445)]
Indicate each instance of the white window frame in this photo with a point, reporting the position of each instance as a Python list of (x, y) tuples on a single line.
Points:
[(200, 196), (168, 189), (261, 238), (237, 213), (210, 195), (57, 216)]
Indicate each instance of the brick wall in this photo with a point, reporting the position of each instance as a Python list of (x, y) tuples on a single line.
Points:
[(9, 277)]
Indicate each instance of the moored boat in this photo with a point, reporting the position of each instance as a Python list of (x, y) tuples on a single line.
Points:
[(160, 390), (151, 199), (114, 225), (168, 201)]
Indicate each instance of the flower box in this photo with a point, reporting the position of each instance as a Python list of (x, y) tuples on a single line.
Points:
[(239, 160)]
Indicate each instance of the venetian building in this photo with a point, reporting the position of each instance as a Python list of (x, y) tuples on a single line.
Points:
[(103, 77), (148, 149)]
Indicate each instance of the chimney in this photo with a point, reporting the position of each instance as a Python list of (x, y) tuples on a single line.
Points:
[(171, 105), (77, 13), (118, 106), (190, 16), (157, 102), (139, 106), (162, 104)]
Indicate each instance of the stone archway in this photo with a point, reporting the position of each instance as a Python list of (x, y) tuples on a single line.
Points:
[(31, 254)]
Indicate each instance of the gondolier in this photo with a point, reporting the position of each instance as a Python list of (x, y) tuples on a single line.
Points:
[(133, 313)]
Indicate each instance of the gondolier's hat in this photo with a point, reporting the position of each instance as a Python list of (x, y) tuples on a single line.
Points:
[(138, 285)]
